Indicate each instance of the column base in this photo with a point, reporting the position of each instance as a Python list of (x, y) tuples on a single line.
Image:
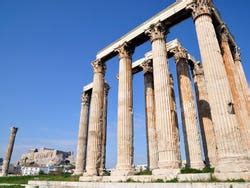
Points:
[(167, 173), (197, 165), (77, 173), (232, 176), (236, 164), (123, 172), (90, 172)]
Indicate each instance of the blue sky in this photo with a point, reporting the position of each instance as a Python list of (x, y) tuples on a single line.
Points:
[(46, 47)]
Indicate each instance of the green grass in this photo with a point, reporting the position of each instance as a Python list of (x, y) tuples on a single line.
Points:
[(144, 172), (11, 186), (25, 179), (187, 170)]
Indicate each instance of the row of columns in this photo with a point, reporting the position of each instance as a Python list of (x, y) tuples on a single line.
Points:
[(223, 131)]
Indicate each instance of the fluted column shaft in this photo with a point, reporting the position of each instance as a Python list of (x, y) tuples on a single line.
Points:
[(9, 151), (174, 114), (166, 131), (96, 120), (82, 134), (152, 151), (104, 129), (242, 78), (188, 112), (237, 94), (125, 113), (229, 141), (205, 118)]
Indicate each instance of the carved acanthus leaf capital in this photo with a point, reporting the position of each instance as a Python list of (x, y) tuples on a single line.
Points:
[(106, 89), (99, 66), (224, 33), (237, 54), (125, 50), (147, 66), (85, 98), (198, 69), (179, 54), (201, 7), (156, 31)]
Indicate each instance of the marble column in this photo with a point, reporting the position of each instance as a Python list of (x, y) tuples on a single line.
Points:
[(205, 118), (240, 104), (125, 149), (95, 120), (242, 78), (152, 151), (169, 162), (188, 111), (174, 113), (82, 134), (6, 162), (232, 159), (104, 130)]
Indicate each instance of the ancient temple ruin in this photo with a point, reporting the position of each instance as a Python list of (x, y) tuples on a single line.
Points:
[(222, 100)]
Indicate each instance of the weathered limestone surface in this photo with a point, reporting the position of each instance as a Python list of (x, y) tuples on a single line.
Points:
[(96, 120), (104, 130), (174, 114), (125, 113), (205, 118), (232, 159), (82, 135), (242, 78), (188, 112), (166, 131), (9, 151), (152, 151), (240, 104), (49, 184)]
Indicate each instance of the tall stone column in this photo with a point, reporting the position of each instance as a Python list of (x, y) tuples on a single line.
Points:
[(174, 113), (82, 134), (96, 120), (242, 78), (9, 151), (125, 148), (205, 118), (232, 159), (188, 111), (152, 151), (240, 104), (169, 162), (104, 130)]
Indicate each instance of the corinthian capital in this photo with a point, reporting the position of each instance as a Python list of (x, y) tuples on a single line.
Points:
[(198, 69), (125, 50), (201, 7), (179, 54), (99, 66), (85, 98), (14, 130), (237, 54), (224, 33), (156, 31), (106, 89), (147, 66)]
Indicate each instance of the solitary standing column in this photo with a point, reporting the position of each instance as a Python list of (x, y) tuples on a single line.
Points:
[(125, 148), (189, 119), (232, 159), (104, 129), (242, 77), (205, 118), (9, 151), (96, 120), (150, 115), (83, 134), (237, 94), (168, 163)]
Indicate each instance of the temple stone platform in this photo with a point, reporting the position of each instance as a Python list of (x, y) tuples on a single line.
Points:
[(51, 184)]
